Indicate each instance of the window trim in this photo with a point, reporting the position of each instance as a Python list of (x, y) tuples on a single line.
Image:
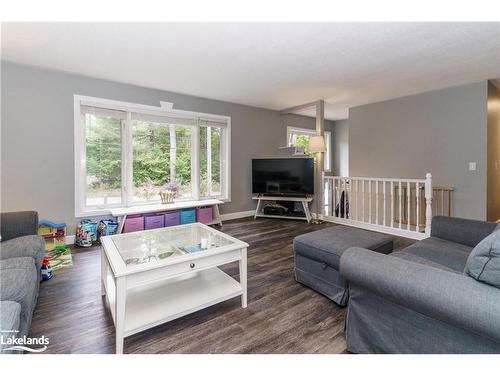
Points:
[(165, 108), (306, 131)]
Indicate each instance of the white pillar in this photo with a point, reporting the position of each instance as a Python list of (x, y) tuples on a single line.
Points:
[(173, 149), (320, 130), (428, 203)]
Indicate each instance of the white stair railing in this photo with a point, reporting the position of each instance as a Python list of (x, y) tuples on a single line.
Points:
[(389, 205)]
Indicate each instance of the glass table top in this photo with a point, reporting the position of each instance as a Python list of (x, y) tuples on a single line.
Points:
[(167, 243)]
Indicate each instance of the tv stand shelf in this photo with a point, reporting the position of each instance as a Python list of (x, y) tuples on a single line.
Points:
[(305, 200)]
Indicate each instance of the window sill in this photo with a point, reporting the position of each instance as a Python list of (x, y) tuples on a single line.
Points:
[(107, 211), (93, 213)]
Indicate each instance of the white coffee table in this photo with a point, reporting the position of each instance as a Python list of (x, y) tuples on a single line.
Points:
[(154, 276)]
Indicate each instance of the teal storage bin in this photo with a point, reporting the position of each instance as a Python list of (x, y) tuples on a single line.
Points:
[(188, 216)]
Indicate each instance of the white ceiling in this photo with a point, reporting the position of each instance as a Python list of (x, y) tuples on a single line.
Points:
[(267, 65)]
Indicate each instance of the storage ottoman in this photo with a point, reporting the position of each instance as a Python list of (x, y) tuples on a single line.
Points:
[(317, 256)]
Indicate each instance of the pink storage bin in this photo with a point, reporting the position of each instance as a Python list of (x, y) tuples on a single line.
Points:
[(153, 221), (205, 215), (133, 224), (172, 218)]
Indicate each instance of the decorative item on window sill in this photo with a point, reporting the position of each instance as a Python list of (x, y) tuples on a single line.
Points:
[(167, 197), (169, 192)]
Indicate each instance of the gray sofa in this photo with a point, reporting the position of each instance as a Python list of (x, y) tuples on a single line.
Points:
[(21, 257), (420, 300)]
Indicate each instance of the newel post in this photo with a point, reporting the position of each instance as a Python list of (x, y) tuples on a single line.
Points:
[(428, 203)]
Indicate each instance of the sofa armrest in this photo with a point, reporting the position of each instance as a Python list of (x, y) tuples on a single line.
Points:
[(17, 224), (464, 231), (26, 246), (450, 297)]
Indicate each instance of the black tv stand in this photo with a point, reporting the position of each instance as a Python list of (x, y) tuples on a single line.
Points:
[(283, 195), (305, 200)]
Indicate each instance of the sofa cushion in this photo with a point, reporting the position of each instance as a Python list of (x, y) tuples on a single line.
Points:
[(20, 285), (327, 245), (18, 224), (446, 253), (416, 259), (483, 263)]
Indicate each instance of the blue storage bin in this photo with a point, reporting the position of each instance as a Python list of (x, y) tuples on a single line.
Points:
[(188, 216)]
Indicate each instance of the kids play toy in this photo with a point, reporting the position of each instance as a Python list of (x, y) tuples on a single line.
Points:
[(53, 233), (46, 270)]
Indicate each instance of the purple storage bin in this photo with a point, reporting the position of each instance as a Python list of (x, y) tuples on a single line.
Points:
[(205, 215), (153, 221), (172, 218), (133, 223)]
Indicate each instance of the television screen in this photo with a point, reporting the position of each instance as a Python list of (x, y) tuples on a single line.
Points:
[(290, 176)]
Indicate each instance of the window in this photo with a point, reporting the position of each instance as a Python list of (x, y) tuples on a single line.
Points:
[(125, 153), (161, 152), (103, 147), (211, 156), (300, 137)]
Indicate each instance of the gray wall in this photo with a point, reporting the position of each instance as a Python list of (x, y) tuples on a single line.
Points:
[(493, 189), (299, 121), (37, 137), (437, 132)]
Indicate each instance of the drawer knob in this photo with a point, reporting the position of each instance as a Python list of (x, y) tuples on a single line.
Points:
[(191, 265)]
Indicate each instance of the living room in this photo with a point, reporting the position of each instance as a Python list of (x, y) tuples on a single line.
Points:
[(250, 188)]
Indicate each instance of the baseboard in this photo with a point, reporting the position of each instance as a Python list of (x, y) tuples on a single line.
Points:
[(69, 240), (237, 215)]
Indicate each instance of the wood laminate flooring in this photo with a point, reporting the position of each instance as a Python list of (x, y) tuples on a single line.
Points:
[(282, 316)]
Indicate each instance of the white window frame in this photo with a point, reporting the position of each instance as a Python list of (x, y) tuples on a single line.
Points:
[(223, 141), (290, 130), (164, 109)]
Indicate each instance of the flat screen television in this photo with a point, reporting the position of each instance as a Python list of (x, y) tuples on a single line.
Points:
[(283, 176)]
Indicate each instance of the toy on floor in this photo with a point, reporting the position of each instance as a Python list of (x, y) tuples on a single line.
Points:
[(90, 226), (60, 257), (106, 227), (46, 270), (86, 233), (54, 234)]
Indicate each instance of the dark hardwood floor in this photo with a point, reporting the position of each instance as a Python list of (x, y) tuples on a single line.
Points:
[(282, 316)]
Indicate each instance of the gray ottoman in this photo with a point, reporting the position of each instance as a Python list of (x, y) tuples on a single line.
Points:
[(317, 256)]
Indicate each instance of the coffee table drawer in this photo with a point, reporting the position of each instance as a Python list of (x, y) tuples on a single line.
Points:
[(212, 261), (186, 267)]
